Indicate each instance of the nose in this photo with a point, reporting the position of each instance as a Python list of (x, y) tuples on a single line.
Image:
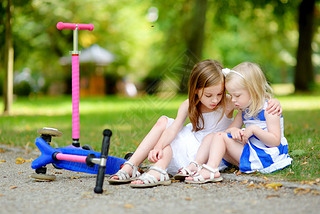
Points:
[(233, 100), (214, 100)]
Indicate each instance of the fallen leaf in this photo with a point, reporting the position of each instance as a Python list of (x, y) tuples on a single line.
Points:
[(265, 178), (1, 195), (128, 206), (274, 186), (2, 150), (289, 173), (105, 192), (304, 163), (315, 192), (251, 185), (301, 191), (20, 160), (273, 196), (3, 161), (188, 199), (244, 182), (74, 177), (309, 182), (86, 193), (56, 172), (13, 187)]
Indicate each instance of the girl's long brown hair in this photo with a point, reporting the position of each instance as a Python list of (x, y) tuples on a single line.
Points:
[(204, 74)]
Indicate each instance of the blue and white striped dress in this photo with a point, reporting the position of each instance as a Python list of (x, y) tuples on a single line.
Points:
[(258, 157)]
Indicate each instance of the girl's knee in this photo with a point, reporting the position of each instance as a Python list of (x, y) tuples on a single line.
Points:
[(208, 138), (220, 134), (219, 137)]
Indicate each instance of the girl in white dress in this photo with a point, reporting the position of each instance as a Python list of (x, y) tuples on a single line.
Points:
[(261, 146), (171, 145)]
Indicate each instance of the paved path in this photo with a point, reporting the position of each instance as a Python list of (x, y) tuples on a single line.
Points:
[(72, 192)]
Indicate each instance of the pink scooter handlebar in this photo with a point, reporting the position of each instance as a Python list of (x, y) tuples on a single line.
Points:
[(73, 26)]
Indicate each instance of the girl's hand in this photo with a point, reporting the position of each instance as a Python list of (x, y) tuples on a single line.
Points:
[(155, 155), (274, 107), (236, 133), (247, 133)]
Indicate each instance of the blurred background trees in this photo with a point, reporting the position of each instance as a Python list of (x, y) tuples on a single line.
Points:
[(156, 43)]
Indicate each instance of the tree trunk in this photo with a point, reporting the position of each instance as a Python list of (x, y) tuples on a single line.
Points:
[(194, 41), (304, 73), (9, 60)]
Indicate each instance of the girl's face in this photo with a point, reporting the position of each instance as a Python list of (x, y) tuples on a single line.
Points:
[(210, 97), (240, 96)]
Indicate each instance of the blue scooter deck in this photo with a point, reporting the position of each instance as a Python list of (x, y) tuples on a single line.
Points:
[(112, 166)]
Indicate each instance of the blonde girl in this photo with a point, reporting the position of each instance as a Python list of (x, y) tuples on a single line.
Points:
[(261, 146)]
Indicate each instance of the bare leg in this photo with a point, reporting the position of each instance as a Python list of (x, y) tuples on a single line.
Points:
[(147, 144), (202, 153), (221, 146), (162, 163)]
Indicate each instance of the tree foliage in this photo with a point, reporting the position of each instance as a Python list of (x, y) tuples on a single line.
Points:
[(233, 31)]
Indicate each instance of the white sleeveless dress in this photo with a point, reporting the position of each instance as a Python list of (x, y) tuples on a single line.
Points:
[(185, 145), (258, 157)]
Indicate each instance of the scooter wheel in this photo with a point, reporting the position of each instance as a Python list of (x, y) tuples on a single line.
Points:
[(128, 155), (43, 177), (87, 147)]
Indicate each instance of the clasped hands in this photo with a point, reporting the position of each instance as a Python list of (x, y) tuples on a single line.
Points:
[(242, 135)]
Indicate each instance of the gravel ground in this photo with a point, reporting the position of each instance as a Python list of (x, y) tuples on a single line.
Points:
[(72, 192)]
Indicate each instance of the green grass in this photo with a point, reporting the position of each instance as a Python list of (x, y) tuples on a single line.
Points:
[(131, 119)]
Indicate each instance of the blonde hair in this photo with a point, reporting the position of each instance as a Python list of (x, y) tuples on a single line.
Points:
[(204, 74), (255, 82)]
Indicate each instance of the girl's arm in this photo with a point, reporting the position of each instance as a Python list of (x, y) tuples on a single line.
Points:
[(270, 138), (169, 134)]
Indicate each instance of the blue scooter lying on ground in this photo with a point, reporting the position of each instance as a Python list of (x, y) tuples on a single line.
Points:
[(75, 157)]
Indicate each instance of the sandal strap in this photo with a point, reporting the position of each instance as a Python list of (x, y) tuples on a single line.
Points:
[(147, 178), (150, 179), (197, 177), (163, 173), (196, 164), (158, 169), (135, 171), (185, 171), (210, 169), (122, 175)]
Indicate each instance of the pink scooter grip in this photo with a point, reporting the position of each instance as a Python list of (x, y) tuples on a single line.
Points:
[(73, 26)]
